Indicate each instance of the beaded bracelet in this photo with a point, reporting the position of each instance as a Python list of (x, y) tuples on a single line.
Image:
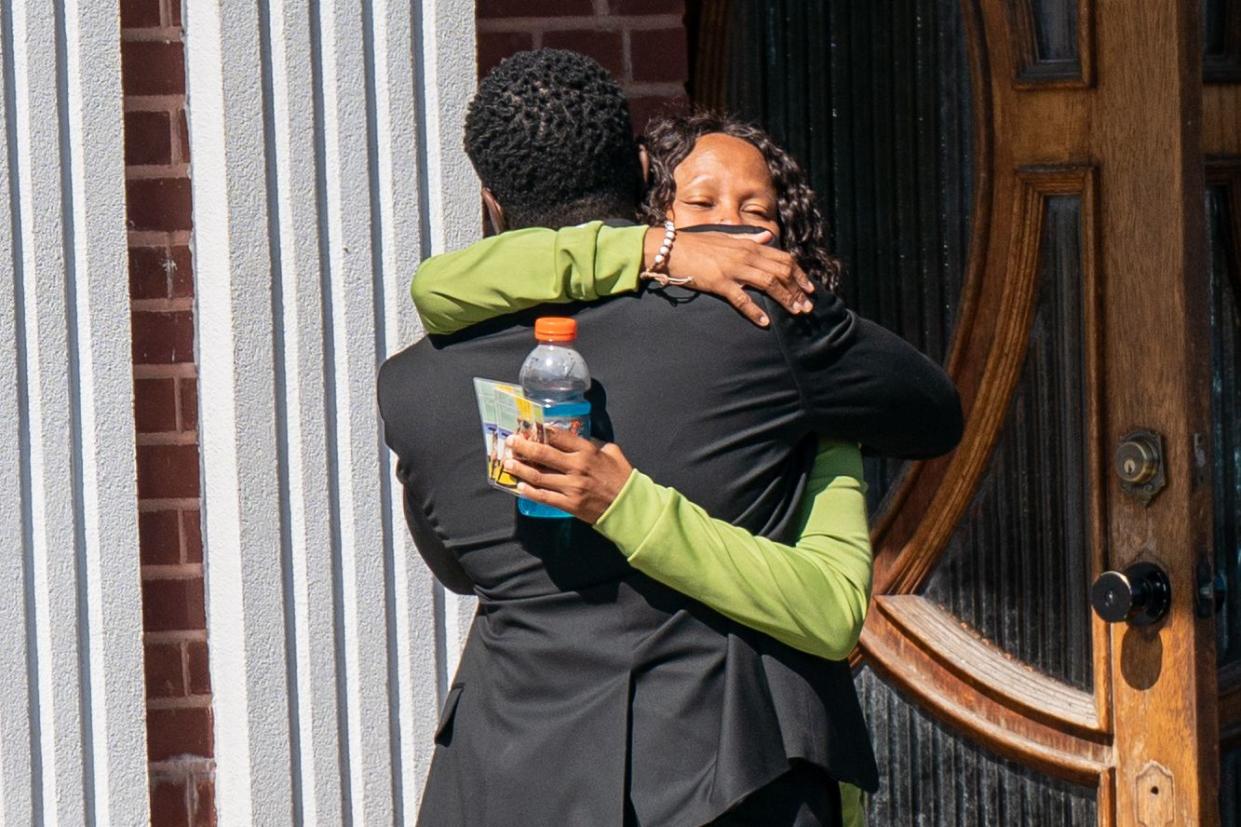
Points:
[(661, 258)]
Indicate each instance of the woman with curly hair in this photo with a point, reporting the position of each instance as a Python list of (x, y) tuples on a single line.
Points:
[(688, 155)]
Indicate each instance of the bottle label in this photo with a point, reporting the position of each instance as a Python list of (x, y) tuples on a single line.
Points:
[(573, 417)]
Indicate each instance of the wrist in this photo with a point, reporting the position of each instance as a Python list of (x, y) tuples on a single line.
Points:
[(658, 267), (627, 521), (650, 247)]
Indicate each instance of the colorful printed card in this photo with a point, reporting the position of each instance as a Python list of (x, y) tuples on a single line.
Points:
[(504, 411)]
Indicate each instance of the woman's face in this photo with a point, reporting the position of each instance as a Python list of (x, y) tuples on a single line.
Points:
[(724, 180)]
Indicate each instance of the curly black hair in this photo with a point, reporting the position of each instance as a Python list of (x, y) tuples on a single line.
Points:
[(549, 134), (670, 139)]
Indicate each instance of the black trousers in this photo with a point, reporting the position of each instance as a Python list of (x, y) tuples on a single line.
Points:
[(805, 796)]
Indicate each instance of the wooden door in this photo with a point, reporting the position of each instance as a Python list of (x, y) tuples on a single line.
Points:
[(1018, 187)]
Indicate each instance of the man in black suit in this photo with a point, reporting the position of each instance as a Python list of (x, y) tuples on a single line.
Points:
[(589, 694)]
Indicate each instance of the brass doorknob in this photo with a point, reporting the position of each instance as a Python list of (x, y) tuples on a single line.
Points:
[(1139, 596)]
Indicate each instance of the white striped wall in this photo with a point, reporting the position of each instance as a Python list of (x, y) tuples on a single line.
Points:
[(72, 736), (325, 137)]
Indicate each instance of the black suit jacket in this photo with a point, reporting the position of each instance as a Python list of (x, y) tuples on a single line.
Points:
[(585, 687)]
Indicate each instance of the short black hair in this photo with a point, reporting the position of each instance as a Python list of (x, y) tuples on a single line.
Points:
[(549, 134)]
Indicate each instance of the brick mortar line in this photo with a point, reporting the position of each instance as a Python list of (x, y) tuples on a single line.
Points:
[(180, 702), (171, 571), (182, 359), (645, 22), (143, 438), (175, 768), (159, 238), (169, 504), (165, 10), (174, 305), (183, 655), (152, 34), (146, 172), (177, 703), (176, 636), (154, 103), (176, 370), (179, 421)]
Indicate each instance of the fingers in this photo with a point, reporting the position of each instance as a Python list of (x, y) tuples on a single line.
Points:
[(552, 498), (539, 454), (612, 450), (777, 274), (538, 477), (782, 288), (724, 263), (782, 264), (747, 307), (763, 236), (556, 490), (566, 440)]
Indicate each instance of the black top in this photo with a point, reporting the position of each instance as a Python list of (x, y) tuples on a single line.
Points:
[(583, 682)]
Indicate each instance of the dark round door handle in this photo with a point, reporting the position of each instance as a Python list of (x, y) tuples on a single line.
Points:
[(1139, 596)]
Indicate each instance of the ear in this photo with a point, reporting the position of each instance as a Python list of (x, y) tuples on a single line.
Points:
[(495, 212), (644, 159)]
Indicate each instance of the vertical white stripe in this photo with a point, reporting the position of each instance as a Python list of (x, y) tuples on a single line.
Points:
[(244, 523), (108, 474), (72, 736), (18, 763)]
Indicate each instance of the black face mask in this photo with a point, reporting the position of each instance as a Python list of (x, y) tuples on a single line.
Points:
[(735, 229)]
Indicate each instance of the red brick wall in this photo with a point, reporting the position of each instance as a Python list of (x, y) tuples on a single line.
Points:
[(161, 281), (641, 42)]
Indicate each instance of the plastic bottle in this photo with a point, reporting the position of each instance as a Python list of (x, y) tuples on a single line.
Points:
[(556, 375)]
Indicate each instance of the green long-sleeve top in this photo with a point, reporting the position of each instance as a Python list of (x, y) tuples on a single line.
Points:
[(525, 268), (811, 595)]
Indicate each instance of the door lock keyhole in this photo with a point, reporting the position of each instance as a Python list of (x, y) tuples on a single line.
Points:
[(1139, 465)]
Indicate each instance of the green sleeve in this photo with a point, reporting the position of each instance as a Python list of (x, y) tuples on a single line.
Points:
[(852, 806), (812, 596), (524, 268)]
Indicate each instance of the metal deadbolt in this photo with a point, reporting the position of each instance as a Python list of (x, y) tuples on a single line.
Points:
[(1139, 464), (1139, 596)]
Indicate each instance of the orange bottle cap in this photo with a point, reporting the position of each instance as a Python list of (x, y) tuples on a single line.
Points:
[(555, 329)]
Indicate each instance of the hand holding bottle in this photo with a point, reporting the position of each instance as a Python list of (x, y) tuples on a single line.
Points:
[(569, 473)]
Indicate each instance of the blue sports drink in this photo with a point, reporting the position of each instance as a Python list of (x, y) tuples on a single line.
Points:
[(555, 375)]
